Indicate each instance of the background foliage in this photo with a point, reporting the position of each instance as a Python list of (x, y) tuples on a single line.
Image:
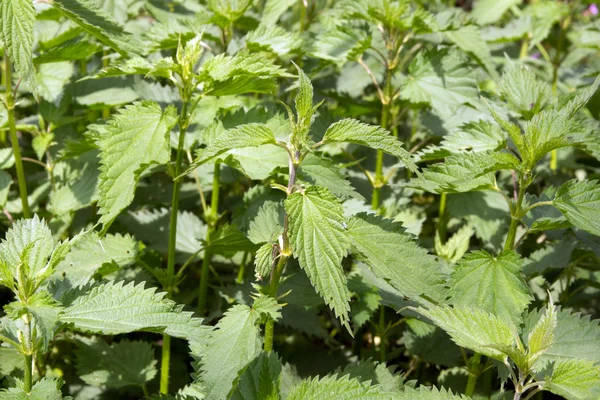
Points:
[(312, 199)]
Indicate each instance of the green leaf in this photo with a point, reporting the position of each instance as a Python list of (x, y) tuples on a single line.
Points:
[(248, 135), (321, 171), (426, 393), (464, 172), (260, 379), (163, 68), (578, 201), (304, 107), (116, 365), (51, 79), (475, 136), (493, 284), (346, 42), (440, 78), (375, 137), (455, 247), (545, 132), (92, 252), (268, 223), (394, 256), (468, 38), (79, 50), (234, 343), (575, 336), (474, 328), (114, 308), (228, 240), (319, 241), (5, 183), (542, 336), (224, 75), (273, 10), (17, 20), (75, 183), (27, 248), (365, 303), (263, 261), (523, 92), (97, 23), (490, 11), (431, 344), (574, 379), (274, 38), (44, 389), (227, 11), (343, 388), (367, 371), (135, 138)]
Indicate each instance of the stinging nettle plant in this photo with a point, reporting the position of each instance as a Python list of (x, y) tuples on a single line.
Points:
[(278, 199)]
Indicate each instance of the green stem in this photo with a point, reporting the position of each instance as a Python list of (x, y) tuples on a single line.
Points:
[(212, 221), (474, 367), (382, 335), (27, 347), (443, 218), (166, 350), (242, 270), (515, 217), (10, 108), (284, 253)]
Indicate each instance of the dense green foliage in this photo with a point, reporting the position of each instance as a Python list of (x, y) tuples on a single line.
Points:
[(300, 199)]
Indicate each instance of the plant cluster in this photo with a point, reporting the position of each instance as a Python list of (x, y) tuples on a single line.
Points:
[(299, 199)]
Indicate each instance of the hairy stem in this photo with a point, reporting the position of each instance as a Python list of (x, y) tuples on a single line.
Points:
[(28, 373), (166, 350), (284, 253), (474, 368), (212, 220), (443, 218), (10, 108), (515, 217)]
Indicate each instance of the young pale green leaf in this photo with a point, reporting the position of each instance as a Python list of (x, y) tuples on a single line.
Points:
[(575, 379), (135, 138), (493, 284), (394, 256), (99, 24), (319, 241), (234, 343), (455, 247), (474, 328), (17, 19), (523, 92), (114, 308), (542, 336), (273, 10), (28, 244), (332, 387), (260, 379), (116, 365), (227, 12), (575, 336), (375, 137), (44, 389), (579, 202), (247, 135), (545, 132)]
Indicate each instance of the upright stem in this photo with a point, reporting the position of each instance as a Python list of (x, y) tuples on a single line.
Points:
[(555, 65), (379, 181), (10, 108), (283, 256), (515, 217), (443, 217), (166, 350), (28, 377), (474, 367), (212, 220)]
